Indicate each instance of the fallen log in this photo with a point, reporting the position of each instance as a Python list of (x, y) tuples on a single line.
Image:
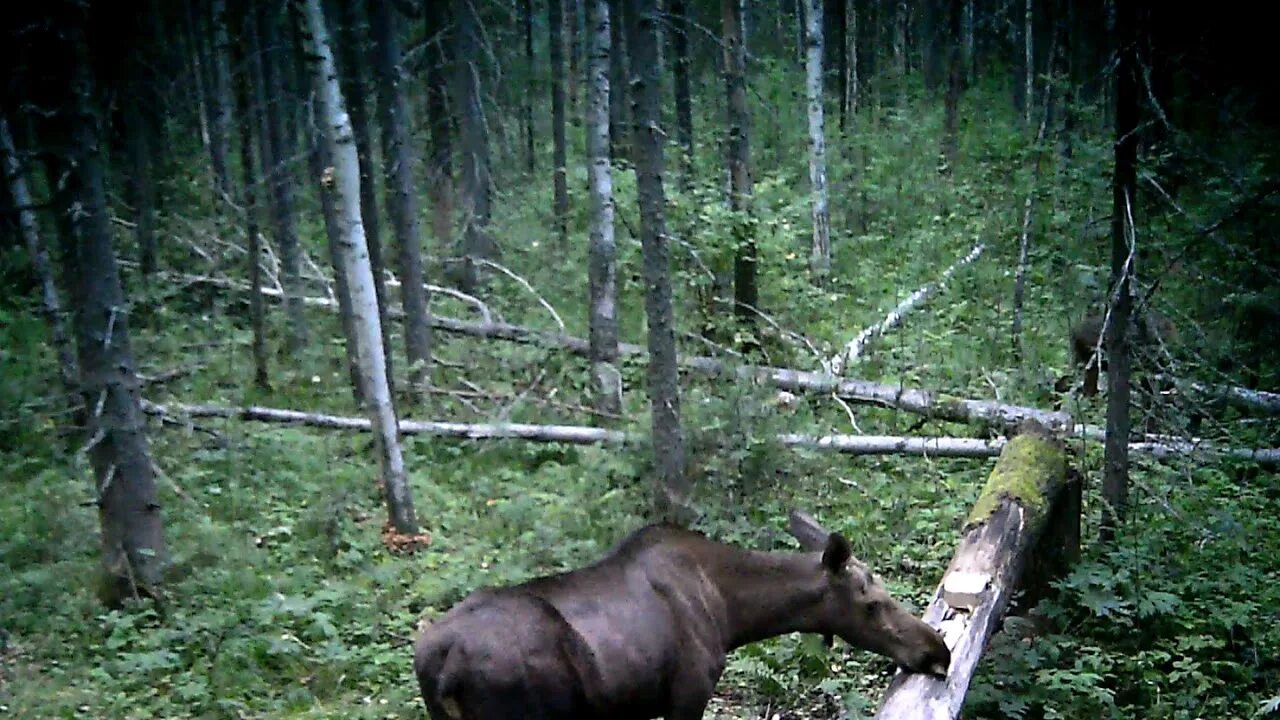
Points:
[(855, 347), (935, 405), (970, 601), (585, 435), (1267, 403)]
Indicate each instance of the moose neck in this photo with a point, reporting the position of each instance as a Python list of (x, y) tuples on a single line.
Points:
[(770, 594)]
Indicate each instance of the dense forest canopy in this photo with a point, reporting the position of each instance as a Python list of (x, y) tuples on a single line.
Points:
[(318, 315)]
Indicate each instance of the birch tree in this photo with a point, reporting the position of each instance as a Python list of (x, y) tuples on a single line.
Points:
[(1029, 63), (401, 192), (618, 90), (602, 265), (739, 158), (649, 139), (339, 141), (820, 252), (220, 99), (15, 178)]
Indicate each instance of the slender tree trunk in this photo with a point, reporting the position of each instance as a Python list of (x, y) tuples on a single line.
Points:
[(220, 104), (251, 179), (15, 175), (530, 90), (970, 41), (1115, 479), (401, 195), (664, 390), (440, 153), (618, 73), (679, 23), (340, 142), (133, 543), (745, 295), (955, 76), (571, 41), (141, 189), (351, 47), (276, 169), (477, 243), (602, 266), (834, 59), (852, 83), (900, 50), (555, 24), (198, 73), (820, 253), (1029, 64)]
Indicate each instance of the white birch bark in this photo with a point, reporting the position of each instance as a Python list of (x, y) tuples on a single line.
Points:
[(340, 141), (602, 268), (820, 254)]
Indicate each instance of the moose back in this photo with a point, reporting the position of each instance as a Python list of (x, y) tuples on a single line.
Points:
[(643, 632)]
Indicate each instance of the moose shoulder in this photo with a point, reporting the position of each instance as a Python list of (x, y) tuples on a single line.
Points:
[(643, 632)]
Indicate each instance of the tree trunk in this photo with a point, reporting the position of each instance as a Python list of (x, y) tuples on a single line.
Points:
[(133, 543), (834, 60), (220, 105), (602, 266), (851, 89), (679, 24), (1029, 64), (1001, 533), (401, 195), (141, 188), (664, 390), (555, 25), (572, 42), (530, 91), (820, 253), (248, 46), (900, 50), (745, 294), (1115, 479), (276, 169), (352, 49), (477, 242), (15, 176), (340, 142), (620, 11), (440, 153), (198, 72), (955, 78)]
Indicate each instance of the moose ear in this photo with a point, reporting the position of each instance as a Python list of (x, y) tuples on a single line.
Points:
[(837, 553), (804, 528)]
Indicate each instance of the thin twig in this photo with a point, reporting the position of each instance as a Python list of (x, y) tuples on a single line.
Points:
[(555, 315)]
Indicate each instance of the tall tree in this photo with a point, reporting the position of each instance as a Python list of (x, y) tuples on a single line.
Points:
[(140, 186), (134, 550), (1028, 62), (820, 252), (679, 23), (955, 78), (340, 144), (1115, 480), (602, 266), (739, 158), (351, 48), (618, 90), (15, 172), (271, 96), (220, 101), (664, 389), (530, 91), (560, 181), (440, 145), (401, 193), (251, 178), (834, 58), (477, 242)]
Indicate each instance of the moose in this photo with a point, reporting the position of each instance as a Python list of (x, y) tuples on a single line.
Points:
[(643, 632), (1150, 331)]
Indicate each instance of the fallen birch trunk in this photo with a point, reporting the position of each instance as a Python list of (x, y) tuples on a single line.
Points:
[(1244, 398), (853, 350), (1001, 534), (585, 435)]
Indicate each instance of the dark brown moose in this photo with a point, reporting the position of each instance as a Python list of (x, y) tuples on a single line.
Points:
[(643, 632)]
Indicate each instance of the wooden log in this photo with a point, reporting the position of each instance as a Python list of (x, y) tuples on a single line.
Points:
[(1001, 532)]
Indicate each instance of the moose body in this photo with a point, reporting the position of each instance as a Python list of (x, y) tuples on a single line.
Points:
[(644, 632), (1086, 336)]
